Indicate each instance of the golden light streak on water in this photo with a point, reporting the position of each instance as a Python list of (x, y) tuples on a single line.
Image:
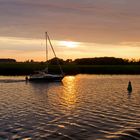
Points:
[(69, 92)]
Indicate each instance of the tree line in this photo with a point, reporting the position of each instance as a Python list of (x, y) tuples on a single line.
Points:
[(100, 65), (84, 61), (96, 61)]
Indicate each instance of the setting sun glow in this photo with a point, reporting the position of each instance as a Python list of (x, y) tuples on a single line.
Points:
[(69, 44)]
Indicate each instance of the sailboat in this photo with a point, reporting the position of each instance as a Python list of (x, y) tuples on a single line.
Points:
[(44, 75)]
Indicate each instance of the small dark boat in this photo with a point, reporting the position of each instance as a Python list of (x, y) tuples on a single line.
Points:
[(44, 75)]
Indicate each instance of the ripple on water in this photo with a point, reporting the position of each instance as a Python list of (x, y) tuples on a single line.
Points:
[(94, 107)]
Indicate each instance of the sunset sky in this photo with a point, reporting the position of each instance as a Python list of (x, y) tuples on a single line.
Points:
[(78, 28)]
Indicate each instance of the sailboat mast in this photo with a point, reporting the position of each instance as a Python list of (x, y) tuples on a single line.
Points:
[(46, 36)]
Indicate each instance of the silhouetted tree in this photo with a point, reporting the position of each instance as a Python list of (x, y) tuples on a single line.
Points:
[(68, 61), (53, 61), (101, 61), (7, 60)]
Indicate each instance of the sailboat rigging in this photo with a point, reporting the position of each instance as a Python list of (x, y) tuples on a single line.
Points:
[(44, 75)]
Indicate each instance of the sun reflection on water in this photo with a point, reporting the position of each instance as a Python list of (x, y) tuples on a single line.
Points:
[(69, 93)]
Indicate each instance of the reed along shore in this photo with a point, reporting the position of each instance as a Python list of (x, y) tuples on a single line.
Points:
[(26, 68)]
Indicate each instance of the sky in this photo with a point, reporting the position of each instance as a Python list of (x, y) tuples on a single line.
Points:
[(78, 28)]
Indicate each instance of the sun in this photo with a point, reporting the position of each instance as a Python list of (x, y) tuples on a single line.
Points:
[(69, 44)]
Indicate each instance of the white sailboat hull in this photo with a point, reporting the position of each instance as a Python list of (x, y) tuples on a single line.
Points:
[(46, 78)]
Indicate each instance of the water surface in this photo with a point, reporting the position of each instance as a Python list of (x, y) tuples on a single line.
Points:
[(82, 107)]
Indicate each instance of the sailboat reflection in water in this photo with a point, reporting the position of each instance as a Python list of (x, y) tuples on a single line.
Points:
[(44, 75)]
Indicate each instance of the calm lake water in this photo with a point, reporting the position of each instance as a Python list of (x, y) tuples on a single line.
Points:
[(82, 107)]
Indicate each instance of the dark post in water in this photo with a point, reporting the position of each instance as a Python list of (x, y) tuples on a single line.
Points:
[(129, 88)]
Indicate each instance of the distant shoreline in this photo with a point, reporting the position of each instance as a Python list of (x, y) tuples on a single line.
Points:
[(17, 69)]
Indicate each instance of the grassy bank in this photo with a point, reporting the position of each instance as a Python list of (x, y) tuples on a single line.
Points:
[(28, 68)]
